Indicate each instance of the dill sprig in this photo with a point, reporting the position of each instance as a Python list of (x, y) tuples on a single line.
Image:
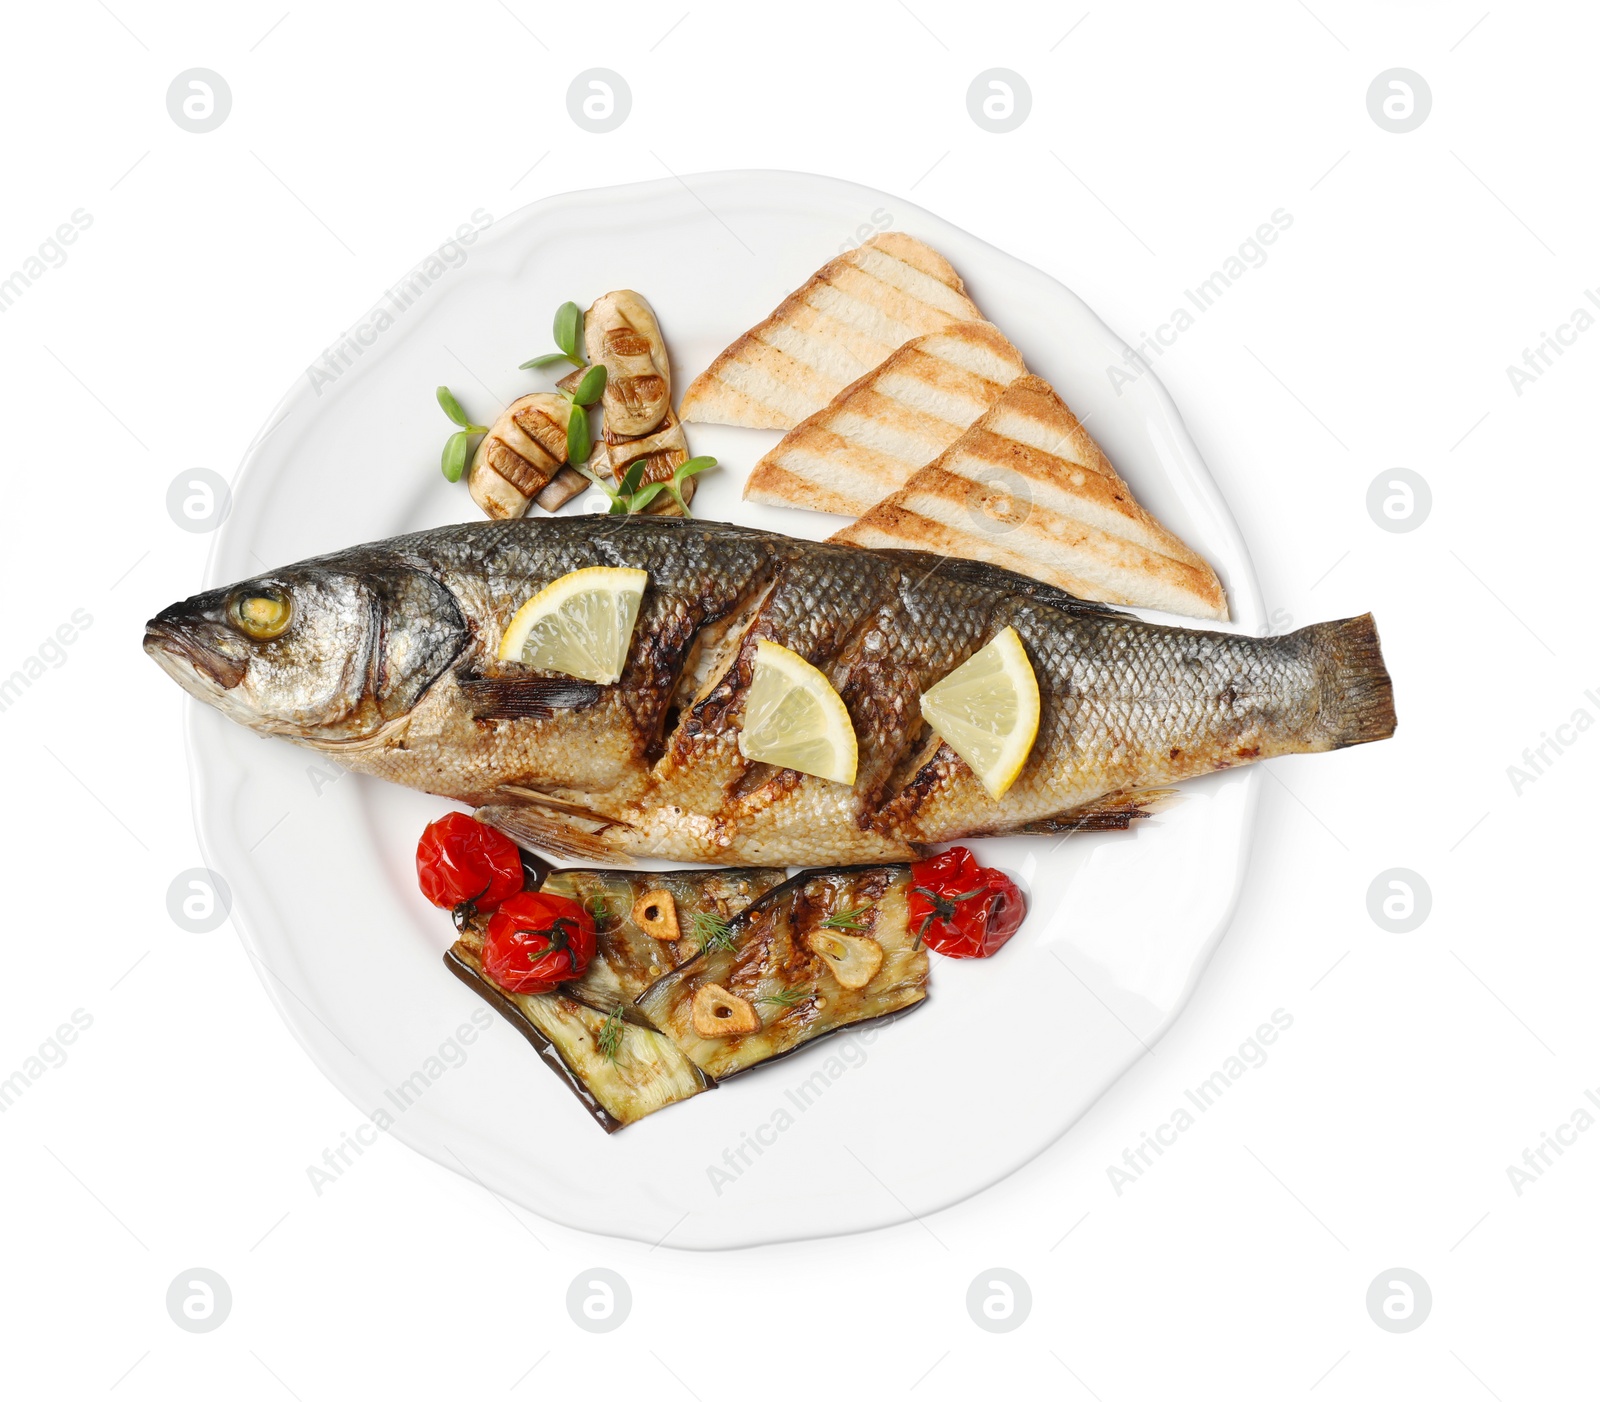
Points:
[(710, 931), (609, 1036), (847, 919), (787, 997)]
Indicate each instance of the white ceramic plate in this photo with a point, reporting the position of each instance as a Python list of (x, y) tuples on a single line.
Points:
[(859, 1131)]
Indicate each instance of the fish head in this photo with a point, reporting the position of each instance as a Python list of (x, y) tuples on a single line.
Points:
[(329, 651)]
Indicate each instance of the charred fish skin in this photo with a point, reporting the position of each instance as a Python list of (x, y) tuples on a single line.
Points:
[(1128, 706), (651, 766)]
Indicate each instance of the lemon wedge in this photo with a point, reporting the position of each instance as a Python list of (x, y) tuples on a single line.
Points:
[(794, 718), (987, 711), (580, 624)]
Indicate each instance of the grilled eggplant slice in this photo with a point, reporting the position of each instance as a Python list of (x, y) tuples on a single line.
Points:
[(589, 1032), (824, 951), (628, 957), (619, 1070)]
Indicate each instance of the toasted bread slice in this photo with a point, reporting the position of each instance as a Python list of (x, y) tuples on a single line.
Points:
[(893, 420), (1027, 488), (841, 324)]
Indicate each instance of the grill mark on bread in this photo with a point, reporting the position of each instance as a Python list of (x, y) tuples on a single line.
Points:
[(843, 322)]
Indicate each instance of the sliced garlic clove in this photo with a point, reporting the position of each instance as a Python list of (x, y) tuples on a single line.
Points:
[(853, 960), (656, 913), (718, 1013)]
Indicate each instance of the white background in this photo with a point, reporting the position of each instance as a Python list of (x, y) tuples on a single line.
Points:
[(1376, 336)]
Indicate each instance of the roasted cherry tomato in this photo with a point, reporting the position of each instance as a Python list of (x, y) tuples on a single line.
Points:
[(961, 909), (466, 866), (537, 941)]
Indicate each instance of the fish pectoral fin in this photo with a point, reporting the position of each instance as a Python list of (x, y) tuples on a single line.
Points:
[(563, 835), (519, 698), (1112, 813), (517, 794)]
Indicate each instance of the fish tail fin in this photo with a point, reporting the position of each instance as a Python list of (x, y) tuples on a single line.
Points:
[(1358, 694)]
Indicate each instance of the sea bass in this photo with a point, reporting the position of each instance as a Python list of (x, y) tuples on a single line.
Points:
[(384, 657)]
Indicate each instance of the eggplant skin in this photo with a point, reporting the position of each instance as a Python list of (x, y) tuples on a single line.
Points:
[(648, 1073), (763, 958), (468, 970), (770, 966)]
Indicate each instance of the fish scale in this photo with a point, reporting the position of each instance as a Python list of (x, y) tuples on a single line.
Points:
[(608, 773)]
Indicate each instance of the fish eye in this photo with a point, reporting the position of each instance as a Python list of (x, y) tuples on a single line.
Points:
[(262, 614)]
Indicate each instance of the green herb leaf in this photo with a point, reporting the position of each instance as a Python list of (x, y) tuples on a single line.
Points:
[(452, 409), (631, 477), (609, 1036), (846, 919), (710, 931), (540, 361), (677, 496), (453, 461), (681, 474), (568, 329), (591, 386), (578, 440), (787, 997), (644, 496)]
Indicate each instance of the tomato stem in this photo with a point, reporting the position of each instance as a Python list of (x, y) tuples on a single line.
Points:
[(465, 910), (557, 936)]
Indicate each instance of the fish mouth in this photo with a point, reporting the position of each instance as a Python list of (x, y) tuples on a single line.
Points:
[(167, 641)]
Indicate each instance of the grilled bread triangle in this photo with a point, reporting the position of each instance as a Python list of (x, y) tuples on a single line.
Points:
[(892, 421), (842, 323), (1027, 488)]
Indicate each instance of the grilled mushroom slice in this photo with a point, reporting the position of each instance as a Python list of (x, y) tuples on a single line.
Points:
[(566, 484), (621, 333), (523, 449), (664, 451)]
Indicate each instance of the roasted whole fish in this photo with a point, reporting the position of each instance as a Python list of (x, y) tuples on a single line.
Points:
[(383, 656)]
